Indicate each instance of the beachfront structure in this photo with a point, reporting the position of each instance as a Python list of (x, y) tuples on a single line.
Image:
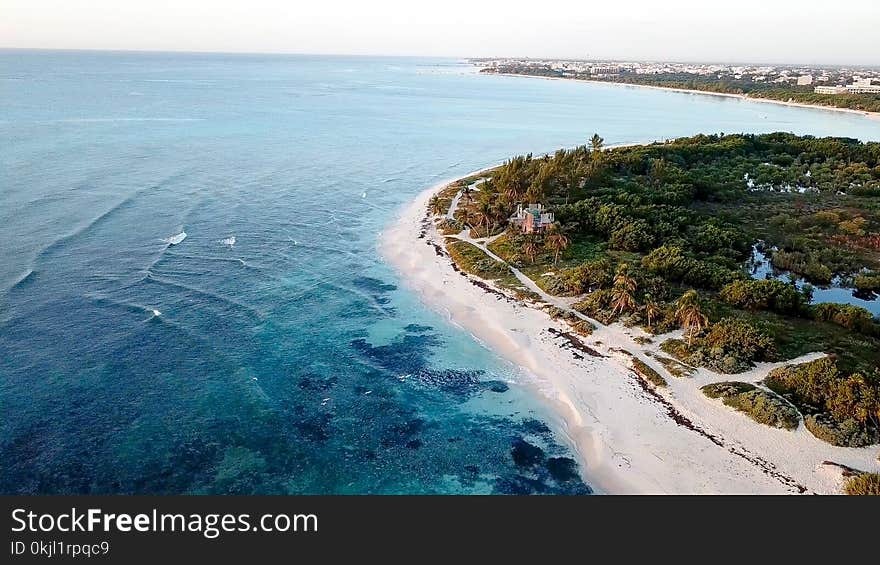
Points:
[(532, 219), (829, 90), (863, 87)]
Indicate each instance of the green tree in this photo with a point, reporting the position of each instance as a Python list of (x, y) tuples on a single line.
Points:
[(530, 247), (437, 206), (556, 241), (623, 291), (690, 315), (651, 309)]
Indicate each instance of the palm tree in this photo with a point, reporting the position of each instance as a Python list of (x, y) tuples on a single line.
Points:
[(622, 293), (657, 171), (557, 241), (437, 206), (466, 193), (530, 248), (689, 314), (484, 213), (596, 142), (652, 310)]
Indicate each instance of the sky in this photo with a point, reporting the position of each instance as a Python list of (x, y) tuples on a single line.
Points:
[(773, 31)]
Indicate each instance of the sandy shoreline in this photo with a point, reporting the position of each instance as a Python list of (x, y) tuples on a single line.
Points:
[(869, 115), (629, 437)]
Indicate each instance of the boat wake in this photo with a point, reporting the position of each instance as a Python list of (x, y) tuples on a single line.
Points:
[(175, 239)]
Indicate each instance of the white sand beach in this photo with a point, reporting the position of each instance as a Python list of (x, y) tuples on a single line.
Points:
[(630, 437)]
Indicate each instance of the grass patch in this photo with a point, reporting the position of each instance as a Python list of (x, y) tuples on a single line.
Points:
[(472, 260), (582, 327), (675, 368), (646, 372), (794, 337), (728, 346), (761, 406), (864, 484), (510, 245)]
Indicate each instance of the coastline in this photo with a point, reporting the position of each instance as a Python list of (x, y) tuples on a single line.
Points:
[(864, 113), (629, 437)]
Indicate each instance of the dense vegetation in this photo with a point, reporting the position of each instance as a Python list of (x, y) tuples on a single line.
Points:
[(662, 236), (772, 91), (762, 406), (843, 409)]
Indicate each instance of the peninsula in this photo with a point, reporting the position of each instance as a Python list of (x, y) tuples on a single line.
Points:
[(851, 89), (700, 313)]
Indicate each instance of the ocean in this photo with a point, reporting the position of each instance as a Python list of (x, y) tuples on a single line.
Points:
[(191, 297)]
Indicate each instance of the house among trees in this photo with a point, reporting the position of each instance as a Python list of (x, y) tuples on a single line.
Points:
[(533, 219)]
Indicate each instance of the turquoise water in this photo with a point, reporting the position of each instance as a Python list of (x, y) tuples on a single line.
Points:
[(292, 361)]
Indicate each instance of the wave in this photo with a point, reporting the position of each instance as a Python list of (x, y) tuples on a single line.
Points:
[(250, 310), (92, 224), (175, 239), (130, 306), (229, 241), (24, 280)]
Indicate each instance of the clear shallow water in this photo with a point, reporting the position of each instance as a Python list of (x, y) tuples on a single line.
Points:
[(290, 360)]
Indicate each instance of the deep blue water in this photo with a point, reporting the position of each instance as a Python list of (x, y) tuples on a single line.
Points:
[(293, 361)]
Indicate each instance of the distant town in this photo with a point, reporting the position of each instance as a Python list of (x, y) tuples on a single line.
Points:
[(846, 87)]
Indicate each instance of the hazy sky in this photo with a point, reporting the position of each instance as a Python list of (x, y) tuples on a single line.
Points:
[(801, 31)]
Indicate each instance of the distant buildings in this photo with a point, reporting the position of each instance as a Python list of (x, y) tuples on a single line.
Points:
[(862, 86), (829, 89), (859, 86), (533, 219), (823, 79)]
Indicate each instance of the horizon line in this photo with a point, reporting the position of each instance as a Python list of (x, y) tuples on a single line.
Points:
[(412, 56)]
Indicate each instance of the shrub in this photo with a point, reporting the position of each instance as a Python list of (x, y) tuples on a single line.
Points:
[(554, 285), (846, 433), (863, 484), (672, 264), (450, 227), (848, 405), (761, 406), (596, 306), (582, 327), (848, 316), (802, 264), (867, 282), (633, 235), (772, 295), (588, 276), (729, 346)]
